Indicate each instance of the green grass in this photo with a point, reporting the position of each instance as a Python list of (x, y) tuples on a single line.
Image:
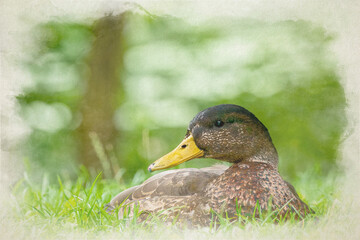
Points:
[(76, 207)]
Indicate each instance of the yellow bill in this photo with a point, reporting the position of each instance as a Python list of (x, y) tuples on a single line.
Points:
[(186, 151)]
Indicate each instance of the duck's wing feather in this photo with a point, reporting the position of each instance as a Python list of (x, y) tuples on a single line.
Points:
[(190, 210), (181, 182)]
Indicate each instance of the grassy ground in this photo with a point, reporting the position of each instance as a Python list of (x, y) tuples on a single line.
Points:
[(70, 210)]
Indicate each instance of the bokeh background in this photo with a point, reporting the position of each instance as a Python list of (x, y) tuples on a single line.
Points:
[(115, 93)]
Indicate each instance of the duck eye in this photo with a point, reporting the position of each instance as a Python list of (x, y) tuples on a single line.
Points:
[(219, 123)]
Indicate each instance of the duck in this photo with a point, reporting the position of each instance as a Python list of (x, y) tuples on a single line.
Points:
[(191, 196)]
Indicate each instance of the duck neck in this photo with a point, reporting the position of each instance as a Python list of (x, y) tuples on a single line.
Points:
[(266, 155)]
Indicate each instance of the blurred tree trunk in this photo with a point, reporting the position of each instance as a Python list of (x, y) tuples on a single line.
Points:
[(105, 62)]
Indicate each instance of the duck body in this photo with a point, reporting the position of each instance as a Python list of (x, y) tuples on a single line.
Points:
[(243, 186), (191, 196)]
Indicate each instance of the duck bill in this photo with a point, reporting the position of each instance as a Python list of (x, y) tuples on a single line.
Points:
[(186, 151)]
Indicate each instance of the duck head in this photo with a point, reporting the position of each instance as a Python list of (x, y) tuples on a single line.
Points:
[(225, 132)]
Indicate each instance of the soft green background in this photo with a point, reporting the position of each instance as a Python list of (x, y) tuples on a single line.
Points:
[(283, 72)]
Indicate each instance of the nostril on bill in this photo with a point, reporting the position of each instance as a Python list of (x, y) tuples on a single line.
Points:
[(150, 167), (184, 146)]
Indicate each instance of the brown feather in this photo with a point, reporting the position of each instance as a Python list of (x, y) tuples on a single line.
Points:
[(182, 182)]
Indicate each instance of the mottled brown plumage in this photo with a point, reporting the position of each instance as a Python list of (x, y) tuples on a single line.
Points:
[(228, 133)]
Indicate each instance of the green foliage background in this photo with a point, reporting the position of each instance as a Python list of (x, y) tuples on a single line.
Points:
[(283, 72)]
